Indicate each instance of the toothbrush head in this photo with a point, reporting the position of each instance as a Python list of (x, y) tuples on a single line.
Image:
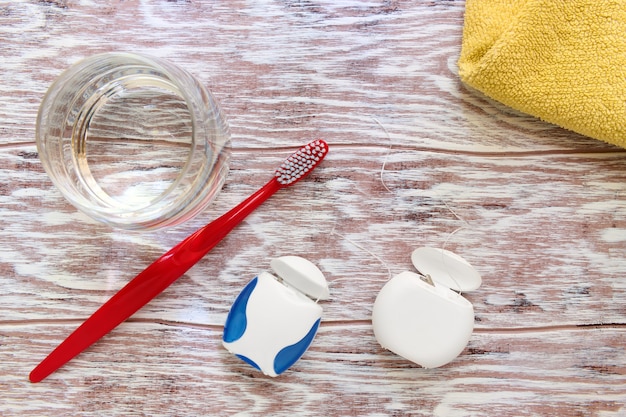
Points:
[(301, 162)]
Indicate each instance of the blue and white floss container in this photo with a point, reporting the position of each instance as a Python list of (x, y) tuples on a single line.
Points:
[(275, 318)]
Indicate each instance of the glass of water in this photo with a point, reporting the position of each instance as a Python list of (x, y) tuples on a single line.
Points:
[(133, 141)]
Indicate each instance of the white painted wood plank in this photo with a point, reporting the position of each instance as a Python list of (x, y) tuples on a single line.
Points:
[(544, 230), (170, 369)]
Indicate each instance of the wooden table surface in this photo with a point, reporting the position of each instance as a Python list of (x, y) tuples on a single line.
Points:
[(417, 159)]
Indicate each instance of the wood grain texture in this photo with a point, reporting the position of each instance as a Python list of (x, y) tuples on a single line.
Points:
[(416, 159)]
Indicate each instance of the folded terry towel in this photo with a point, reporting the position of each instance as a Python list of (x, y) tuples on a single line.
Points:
[(563, 61)]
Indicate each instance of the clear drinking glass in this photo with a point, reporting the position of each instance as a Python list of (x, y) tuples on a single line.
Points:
[(133, 141)]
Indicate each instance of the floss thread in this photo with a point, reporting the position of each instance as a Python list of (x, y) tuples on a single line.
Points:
[(386, 187)]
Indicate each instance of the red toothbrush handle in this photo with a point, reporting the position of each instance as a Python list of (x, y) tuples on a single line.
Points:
[(150, 283)]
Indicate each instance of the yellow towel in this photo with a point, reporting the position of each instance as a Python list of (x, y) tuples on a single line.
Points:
[(563, 61)]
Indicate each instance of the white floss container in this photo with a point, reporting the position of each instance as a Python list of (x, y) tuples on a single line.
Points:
[(421, 317)]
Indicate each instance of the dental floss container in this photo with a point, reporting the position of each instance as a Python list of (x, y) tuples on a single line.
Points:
[(422, 317), (275, 318)]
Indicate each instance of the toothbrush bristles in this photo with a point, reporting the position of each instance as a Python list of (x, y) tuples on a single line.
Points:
[(301, 162)]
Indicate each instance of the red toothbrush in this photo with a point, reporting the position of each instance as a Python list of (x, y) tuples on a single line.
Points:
[(173, 264)]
